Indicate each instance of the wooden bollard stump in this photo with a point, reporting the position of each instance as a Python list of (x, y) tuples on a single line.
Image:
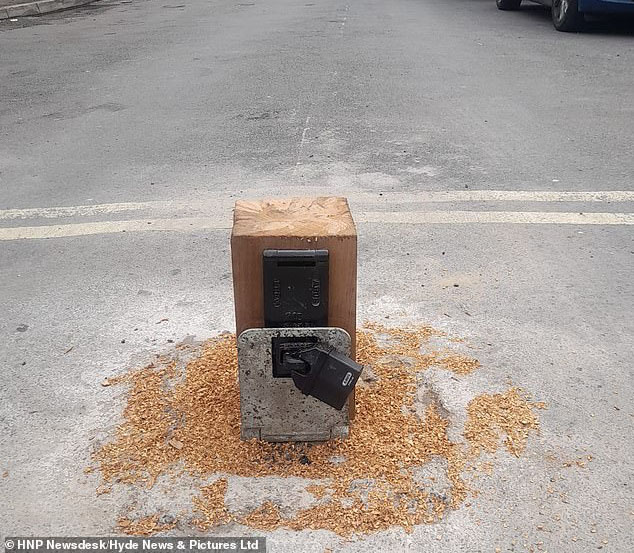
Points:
[(288, 224)]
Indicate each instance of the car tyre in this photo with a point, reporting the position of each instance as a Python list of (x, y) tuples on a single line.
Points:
[(508, 5), (566, 15)]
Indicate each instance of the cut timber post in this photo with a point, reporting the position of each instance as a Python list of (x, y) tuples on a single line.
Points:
[(295, 223)]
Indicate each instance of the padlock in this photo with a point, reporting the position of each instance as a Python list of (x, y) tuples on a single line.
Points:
[(327, 375)]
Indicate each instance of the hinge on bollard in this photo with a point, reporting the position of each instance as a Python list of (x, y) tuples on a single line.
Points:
[(326, 375)]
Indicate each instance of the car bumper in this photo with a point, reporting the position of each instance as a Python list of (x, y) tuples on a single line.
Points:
[(606, 6)]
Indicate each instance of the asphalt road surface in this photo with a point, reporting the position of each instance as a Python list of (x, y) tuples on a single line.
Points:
[(478, 148)]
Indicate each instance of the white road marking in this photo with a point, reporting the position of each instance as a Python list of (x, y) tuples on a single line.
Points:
[(192, 224), (206, 204), (300, 148), (189, 224), (75, 210), (488, 217), (522, 196)]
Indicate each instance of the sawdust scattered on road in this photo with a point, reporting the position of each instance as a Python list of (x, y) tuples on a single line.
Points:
[(190, 417)]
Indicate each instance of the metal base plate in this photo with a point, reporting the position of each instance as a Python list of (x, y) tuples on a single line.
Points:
[(273, 409)]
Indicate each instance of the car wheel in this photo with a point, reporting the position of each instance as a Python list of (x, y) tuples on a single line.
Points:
[(507, 5), (566, 15)]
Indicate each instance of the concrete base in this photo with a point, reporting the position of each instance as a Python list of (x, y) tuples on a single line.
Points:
[(273, 409)]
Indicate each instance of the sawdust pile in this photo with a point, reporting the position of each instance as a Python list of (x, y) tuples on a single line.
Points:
[(460, 364), (489, 416), (191, 419), (145, 526)]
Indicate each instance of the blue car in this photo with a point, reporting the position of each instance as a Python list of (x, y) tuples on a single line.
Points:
[(568, 15)]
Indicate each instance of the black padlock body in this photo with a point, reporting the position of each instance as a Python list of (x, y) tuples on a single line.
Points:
[(331, 376), (295, 288)]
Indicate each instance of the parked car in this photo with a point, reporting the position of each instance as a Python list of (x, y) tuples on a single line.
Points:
[(568, 15)]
